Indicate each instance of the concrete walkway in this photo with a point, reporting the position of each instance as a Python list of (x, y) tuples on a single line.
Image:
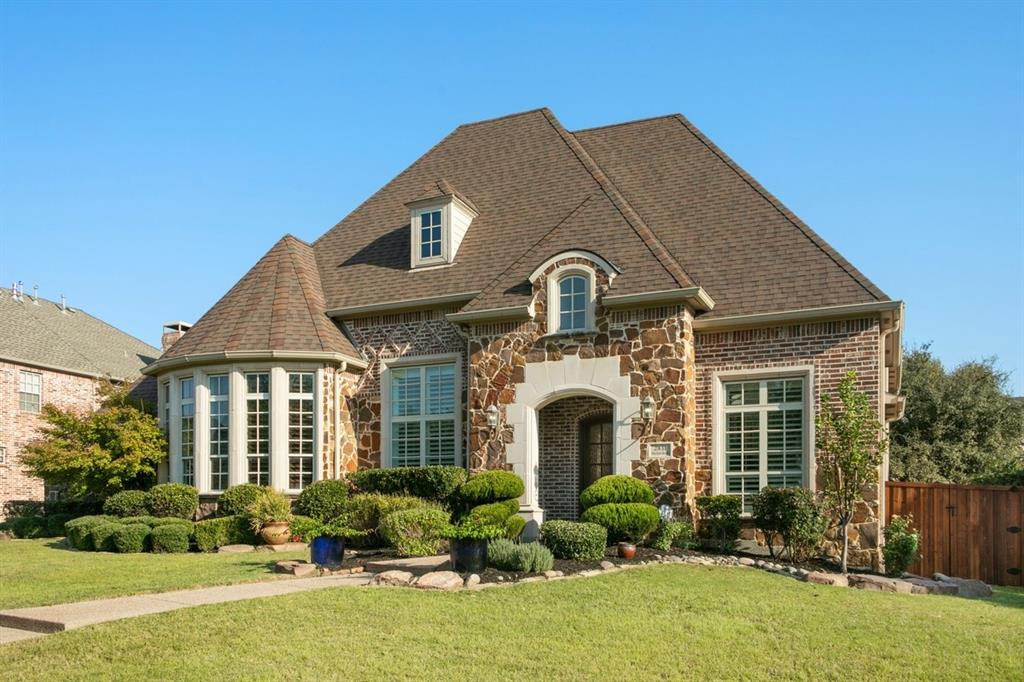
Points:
[(18, 624)]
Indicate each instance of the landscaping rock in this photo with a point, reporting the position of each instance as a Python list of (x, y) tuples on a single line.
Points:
[(472, 580), (553, 574), (589, 572), (288, 547), (393, 578), (284, 566), (822, 578), (607, 566), (968, 587), (533, 579), (236, 549), (440, 580), (296, 568), (746, 561), (877, 583), (925, 586)]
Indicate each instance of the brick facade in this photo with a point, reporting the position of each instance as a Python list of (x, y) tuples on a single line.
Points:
[(559, 427), (67, 391)]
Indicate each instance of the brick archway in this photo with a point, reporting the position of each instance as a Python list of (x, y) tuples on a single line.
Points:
[(562, 448)]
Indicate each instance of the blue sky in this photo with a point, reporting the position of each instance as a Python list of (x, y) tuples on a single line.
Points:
[(151, 153)]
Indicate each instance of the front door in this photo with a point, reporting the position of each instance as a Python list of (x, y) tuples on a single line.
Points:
[(595, 449)]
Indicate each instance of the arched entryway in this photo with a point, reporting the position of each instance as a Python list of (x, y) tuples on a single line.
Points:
[(576, 446)]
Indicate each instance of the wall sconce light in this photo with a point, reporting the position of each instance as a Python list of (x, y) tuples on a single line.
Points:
[(647, 408), (492, 416)]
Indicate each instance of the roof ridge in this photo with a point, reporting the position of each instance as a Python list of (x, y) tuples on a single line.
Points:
[(804, 228), (626, 209), (251, 298), (624, 123), (503, 117), (305, 295)]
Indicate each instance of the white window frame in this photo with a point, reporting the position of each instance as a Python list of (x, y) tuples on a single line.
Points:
[(226, 457), (269, 426), (180, 430), (288, 397), (720, 378), (38, 377), (453, 359), (554, 299), (165, 407), (416, 241)]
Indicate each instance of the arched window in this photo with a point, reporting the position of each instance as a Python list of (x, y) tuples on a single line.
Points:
[(572, 303)]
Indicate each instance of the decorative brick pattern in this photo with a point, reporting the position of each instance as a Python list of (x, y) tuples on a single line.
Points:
[(559, 427)]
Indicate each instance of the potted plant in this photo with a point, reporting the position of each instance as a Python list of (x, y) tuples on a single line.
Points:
[(269, 514), (467, 543), (327, 542)]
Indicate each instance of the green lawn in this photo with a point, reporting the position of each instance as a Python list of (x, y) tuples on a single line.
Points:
[(653, 623), (40, 572)]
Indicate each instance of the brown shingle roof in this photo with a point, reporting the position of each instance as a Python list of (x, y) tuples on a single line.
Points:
[(278, 305)]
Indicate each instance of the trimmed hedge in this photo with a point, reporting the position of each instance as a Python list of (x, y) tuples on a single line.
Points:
[(172, 521), (365, 512), (720, 520), (148, 520), (625, 521), (415, 532), (237, 498), (495, 513), (171, 538), (101, 536), (27, 527), (491, 486), (322, 500), (616, 488), (437, 483), (514, 526), (225, 530), (173, 499), (530, 557), (131, 538), (126, 503), (575, 541), (79, 530)]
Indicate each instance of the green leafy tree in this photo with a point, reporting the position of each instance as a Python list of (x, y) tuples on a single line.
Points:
[(959, 426), (95, 454), (851, 442)]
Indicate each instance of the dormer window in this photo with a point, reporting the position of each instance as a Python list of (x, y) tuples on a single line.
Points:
[(430, 235), (572, 303), (439, 220), (569, 279)]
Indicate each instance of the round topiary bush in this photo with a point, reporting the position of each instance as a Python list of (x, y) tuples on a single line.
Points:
[(169, 521), (101, 536), (491, 486), (173, 499), (514, 526), (616, 488), (575, 541), (171, 538), (126, 503), (625, 521), (322, 500), (148, 520), (132, 538), (495, 513), (79, 530), (415, 532), (237, 498)]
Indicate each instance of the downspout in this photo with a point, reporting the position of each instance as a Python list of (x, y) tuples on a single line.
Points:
[(337, 419)]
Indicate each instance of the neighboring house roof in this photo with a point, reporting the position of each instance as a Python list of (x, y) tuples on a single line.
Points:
[(40, 333), (278, 305)]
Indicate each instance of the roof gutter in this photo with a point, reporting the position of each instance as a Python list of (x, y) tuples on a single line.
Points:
[(516, 312), (66, 370), (166, 364), (800, 315), (403, 304), (695, 296)]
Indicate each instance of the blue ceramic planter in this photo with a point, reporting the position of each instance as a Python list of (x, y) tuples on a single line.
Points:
[(327, 551)]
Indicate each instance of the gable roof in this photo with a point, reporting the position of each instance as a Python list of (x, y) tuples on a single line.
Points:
[(43, 335), (277, 306)]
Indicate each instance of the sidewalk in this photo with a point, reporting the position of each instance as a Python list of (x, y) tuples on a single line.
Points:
[(17, 624)]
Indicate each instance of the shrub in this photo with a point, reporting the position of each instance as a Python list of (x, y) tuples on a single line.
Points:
[(126, 503), (437, 483), (575, 541), (491, 486), (78, 530), (269, 506), (171, 521), (625, 521), (27, 527), (414, 532), (495, 513), (719, 520), (514, 526), (171, 538), (225, 530), (792, 515), (101, 536), (237, 498), (671, 534), (131, 538), (530, 557), (616, 489), (55, 524), (148, 520), (303, 527), (323, 500), (172, 499), (364, 512), (901, 542)]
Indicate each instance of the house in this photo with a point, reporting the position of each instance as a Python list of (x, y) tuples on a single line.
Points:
[(53, 353), (567, 305)]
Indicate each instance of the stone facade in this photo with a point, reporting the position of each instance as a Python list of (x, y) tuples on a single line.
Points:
[(67, 391), (559, 464)]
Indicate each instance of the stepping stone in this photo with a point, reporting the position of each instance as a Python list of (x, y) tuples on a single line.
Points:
[(236, 549), (439, 580), (393, 578), (822, 578), (925, 586), (968, 587), (414, 565), (301, 569), (288, 547), (876, 583)]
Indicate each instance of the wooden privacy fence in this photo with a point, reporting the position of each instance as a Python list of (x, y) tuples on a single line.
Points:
[(968, 531)]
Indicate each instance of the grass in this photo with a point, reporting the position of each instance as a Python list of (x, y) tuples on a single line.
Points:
[(662, 622), (41, 572)]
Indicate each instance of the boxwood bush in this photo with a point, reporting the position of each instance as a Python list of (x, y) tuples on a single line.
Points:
[(237, 498), (126, 503), (322, 500), (79, 530), (171, 538), (528, 557), (415, 532), (495, 513), (146, 519), (172, 499), (719, 520), (575, 541), (491, 486), (27, 527), (616, 488), (365, 512), (625, 521), (224, 530), (55, 524), (514, 526), (171, 521), (131, 538), (101, 536), (437, 483)]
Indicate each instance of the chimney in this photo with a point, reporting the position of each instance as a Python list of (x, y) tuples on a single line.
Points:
[(172, 332)]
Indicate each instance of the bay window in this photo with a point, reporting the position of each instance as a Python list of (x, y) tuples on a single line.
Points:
[(219, 427), (257, 418), (422, 415), (301, 426)]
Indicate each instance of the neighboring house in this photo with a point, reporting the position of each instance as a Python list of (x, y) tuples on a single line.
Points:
[(51, 353), (566, 305)]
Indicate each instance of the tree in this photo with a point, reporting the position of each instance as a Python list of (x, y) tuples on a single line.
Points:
[(851, 442), (959, 426), (93, 455)]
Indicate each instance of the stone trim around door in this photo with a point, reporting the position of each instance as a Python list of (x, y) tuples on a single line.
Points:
[(546, 382)]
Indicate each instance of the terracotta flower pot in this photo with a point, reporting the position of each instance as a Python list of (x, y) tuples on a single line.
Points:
[(275, 533), (627, 550)]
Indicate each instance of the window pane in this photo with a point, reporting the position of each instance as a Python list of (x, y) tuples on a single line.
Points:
[(405, 392), (440, 389), (440, 442), (405, 444)]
